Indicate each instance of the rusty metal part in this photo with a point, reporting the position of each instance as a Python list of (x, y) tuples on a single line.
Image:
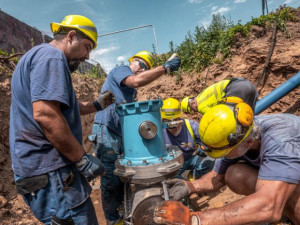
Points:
[(143, 215)]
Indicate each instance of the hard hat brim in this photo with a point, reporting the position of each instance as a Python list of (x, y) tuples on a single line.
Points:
[(55, 28), (223, 153), (131, 58)]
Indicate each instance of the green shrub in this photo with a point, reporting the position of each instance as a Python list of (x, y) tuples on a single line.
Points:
[(199, 49), (3, 53), (96, 72), (282, 15)]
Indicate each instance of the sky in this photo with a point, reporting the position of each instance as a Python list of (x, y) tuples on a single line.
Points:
[(170, 20)]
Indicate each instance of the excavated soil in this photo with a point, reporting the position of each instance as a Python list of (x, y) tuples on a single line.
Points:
[(248, 58)]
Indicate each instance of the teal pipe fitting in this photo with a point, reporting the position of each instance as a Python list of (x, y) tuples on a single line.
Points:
[(143, 140)]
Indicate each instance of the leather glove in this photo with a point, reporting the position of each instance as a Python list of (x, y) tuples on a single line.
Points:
[(200, 152), (172, 65), (178, 188), (173, 212), (90, 166), (103, 100)]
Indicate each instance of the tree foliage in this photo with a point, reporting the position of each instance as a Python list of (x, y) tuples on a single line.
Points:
[(97, 72), (212, 44)]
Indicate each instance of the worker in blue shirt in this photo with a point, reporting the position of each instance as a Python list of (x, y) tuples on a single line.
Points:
[(258, 158), (122, 81), (50, 165)]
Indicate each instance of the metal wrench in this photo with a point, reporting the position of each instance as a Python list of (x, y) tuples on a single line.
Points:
[(166, 194)]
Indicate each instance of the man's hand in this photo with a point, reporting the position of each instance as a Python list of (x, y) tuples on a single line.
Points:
[(172, 65), (90, 166), (178, 188), (103, 100), (173, 212)]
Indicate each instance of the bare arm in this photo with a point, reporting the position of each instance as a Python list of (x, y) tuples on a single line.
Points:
[(55, 127), (265, 205), (209, 182), (143, 78), (86, 108)]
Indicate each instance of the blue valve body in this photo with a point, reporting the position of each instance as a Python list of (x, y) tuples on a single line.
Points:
[(139, 151)]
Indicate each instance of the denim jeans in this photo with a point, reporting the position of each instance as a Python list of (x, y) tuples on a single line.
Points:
[(63, 201), (107, 147), (198, 164)]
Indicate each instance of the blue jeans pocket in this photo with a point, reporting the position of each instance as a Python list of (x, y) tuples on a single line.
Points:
[(76, 192)]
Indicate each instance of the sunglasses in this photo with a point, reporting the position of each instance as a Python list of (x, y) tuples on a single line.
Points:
[(142, 65)]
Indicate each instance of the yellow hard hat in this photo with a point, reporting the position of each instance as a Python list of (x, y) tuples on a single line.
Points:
[(170, 109), (81, 23), (146, 56), (185, 107), (220, 130)]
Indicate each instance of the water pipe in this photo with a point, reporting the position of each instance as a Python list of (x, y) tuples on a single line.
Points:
[(278, 93)]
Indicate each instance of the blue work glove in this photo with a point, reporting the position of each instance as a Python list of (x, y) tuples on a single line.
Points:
[(172, 65), (90, 166)]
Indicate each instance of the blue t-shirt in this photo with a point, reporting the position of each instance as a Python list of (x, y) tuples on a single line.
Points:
[(184, 137), (279, 157), (122, 93), (41, 74)]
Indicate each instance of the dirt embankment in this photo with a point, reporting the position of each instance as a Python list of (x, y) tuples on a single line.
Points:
[(247, 61), (248, 58)]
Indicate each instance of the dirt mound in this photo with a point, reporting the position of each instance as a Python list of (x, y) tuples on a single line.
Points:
[(248, 58)]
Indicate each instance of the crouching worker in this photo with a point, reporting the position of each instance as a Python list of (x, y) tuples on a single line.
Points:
[(184, 134), (227, 90), (259, 159), (50, 165)]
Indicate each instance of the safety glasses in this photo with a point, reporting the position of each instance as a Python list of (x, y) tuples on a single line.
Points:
[(142, 65), (235, 142), (171, 120), (208, 150)]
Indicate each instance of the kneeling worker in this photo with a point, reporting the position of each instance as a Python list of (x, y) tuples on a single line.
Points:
[(184, 134), (260, 159)]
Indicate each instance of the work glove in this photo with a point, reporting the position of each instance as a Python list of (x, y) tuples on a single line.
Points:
[(172, 65), (178, 188), (90, 166), (173, 212), (199, 152), (103, 100)]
